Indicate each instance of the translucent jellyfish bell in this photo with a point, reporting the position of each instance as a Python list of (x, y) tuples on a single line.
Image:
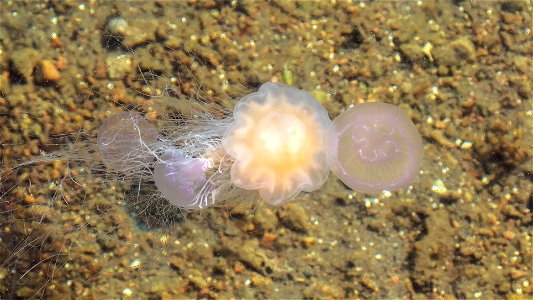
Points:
[(125, 141), (181, 179), (374, 147)]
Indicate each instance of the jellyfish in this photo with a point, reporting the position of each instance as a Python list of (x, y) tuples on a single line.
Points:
[(179, 179), (124, 141), (374, 147), (184, 161), (278, 142)]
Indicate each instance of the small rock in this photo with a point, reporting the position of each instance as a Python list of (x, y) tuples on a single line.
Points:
[(3, 273), (119, 66), (23, 62), (139, 32), (295, 217), (464, 48), (46, 72), (456, 53), (514, 6), (412, 51), (238, 267), (439, 187), (253, 256), (509, 235), (510, 211), (43, 212), (517, 274), (196, 278), (524, 88), (308, 242), (176, 262), (268, 240), (266, 219), (4, 60), (369, 283), (5, 86), (491, 219), (100, 70), (467, 251), (25, 292), (117, 26)]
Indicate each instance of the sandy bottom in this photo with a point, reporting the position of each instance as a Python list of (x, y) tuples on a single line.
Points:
[(462, 70)]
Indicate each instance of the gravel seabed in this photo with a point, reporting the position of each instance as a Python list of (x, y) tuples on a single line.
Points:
[(461, 69)]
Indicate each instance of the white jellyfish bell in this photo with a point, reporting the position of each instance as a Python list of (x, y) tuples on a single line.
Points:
[(278, 141)]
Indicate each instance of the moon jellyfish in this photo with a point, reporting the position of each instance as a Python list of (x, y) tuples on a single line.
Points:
[(374, 147), (125, 141), (180, 180)]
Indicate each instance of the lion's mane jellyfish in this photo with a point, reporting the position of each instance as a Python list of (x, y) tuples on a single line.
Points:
[(374, 147), (124, 141), (278, 143)]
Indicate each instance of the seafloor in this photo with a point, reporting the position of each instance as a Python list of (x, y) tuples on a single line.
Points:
[(462, 70)]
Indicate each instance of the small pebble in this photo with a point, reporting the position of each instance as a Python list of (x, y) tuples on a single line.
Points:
[(25, 292), (46, 71), (135, 264), (295, 217), (268, 240), (308, 242), (127, 292), (3, 273), (117, 26), (119, 66), (439, 187), (466, 145)]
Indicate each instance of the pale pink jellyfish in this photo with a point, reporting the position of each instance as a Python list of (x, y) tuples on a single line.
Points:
[(374, 147), (179, 179), (278, 143)]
